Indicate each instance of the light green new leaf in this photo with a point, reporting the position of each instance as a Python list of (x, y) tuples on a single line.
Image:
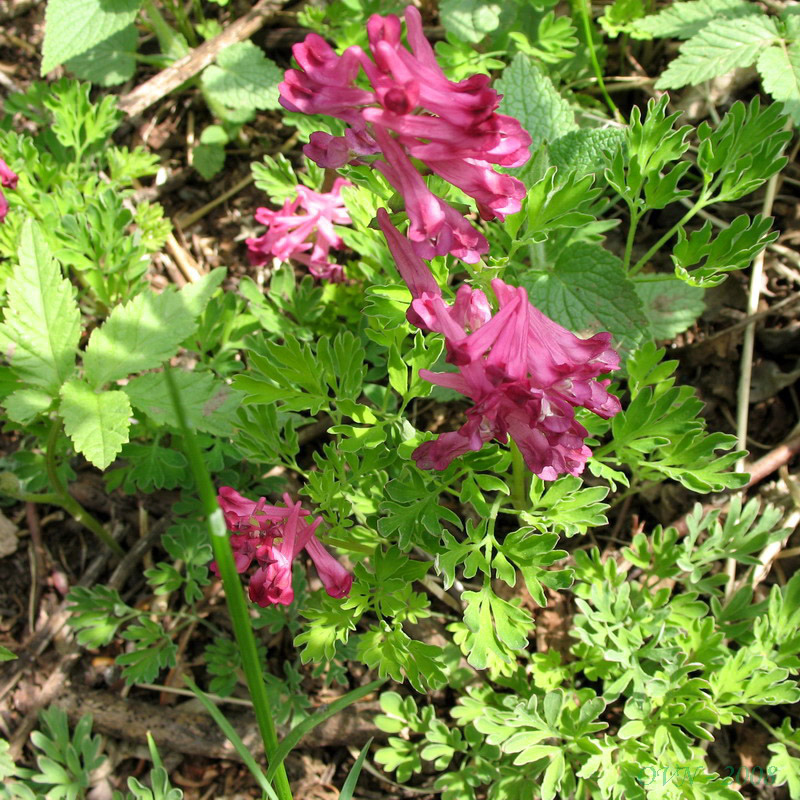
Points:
[(779, 67), (97, 423), (587, 291), (671, 305), (109, 62), (243, 77), (6, 654), (529, 95), (209, 404), (136, 336), (470, 20), (25, 405), (41, 329), (787, 766), (72, 27), (684, 20), (721, 46)]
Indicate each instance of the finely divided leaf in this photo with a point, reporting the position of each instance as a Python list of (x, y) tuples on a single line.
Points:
[(41, 329), (243, 77), (72, 27), (529, 95), (684, 20), (97, 423), (779, 67), (136, 336), (587, 291), (721, 46)]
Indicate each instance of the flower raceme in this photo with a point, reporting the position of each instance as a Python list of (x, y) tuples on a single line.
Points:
[(525, 374), (412, 112), (273, 537), (8, 179), (305, 237)]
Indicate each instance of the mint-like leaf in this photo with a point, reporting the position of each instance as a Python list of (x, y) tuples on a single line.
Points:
[(684, 20), (529, 95), (72, 27), (721, 46), (779, 67), (587, 291), (109, 62), (243, 77), (470, 20), (97, 423), (585, 150), (41, 329), (670, 304)]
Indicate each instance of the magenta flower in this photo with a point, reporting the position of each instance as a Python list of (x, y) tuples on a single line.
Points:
[(8, 179), (412, 111), (307, 238), (273, 537), (525, 374)]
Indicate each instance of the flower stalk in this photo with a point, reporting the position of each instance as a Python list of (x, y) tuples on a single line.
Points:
[(234, 596)]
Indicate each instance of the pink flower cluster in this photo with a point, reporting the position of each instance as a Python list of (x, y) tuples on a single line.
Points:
[(8, 179), (305, 237), (525, 374), (412, 112), (273, 537)]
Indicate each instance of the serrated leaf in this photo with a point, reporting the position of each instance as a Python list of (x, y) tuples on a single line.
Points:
[(585, 150), (25, 405), (109, 62), (72, 27), (719, 47), (779, 67), (587, 291), (209, 404), (470, 20), (150, 467), (97, 423), (243, 77), (684, 20), (530, 96), (41, 328), (670, 304), (136, 336)]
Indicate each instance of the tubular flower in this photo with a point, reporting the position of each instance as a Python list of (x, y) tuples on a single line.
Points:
[(412, 111), (307, 238), (525, 374), (8, 179), (273, 537)]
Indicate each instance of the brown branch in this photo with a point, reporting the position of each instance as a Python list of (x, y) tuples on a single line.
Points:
[(195, 733), (187, 67)]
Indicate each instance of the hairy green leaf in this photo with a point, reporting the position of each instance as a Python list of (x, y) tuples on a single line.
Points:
[(243, 77), (684, 20), (779, 67), (109, 62)]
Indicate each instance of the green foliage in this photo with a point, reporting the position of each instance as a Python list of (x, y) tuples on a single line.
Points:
[(74, 26), (189, 548), (109, 62), (242, 78)]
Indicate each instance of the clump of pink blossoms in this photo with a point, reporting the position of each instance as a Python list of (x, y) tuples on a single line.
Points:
[(412, 111), (273, 537), (8, 179), (305, 237), (525, 374)]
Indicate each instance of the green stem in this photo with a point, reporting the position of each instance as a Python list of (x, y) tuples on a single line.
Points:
[(634, 223), (168, 39), (701, 203), (237, 606), (519, 479), (585, 11), (66, 500), (777, 734)]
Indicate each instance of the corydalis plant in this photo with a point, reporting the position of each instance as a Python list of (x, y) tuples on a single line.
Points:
[(525, 374), (413, 111), (8, 179), (304, 237), (273, 537)]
